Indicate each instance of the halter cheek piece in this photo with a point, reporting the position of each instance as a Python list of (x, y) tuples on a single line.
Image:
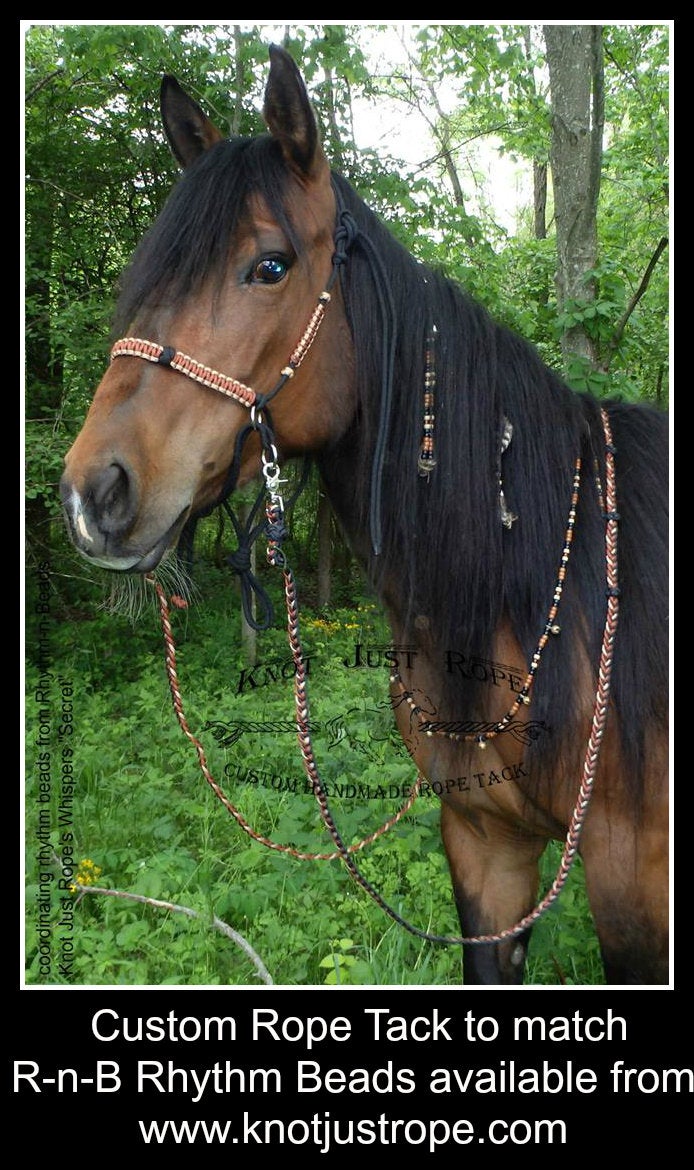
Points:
[(175, 359)]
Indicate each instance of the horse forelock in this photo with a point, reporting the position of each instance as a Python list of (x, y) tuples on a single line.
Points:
[(190, 242)]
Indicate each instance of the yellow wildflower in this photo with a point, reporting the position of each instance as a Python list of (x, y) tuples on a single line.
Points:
[(88, 873)]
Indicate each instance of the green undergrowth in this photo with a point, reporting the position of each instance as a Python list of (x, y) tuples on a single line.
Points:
[(136, 815)]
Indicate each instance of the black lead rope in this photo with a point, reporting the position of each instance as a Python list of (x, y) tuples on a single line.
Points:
[(388, 321), (239, 560)]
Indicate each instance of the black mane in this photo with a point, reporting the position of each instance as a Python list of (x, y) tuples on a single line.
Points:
[(445, 552)]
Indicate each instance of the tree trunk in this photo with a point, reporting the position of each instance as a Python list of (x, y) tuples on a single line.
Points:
[(540, 199), (324, 550), (539, 165), (237, 110), (249, 636), (335, 140), (575, 61), (442, 133)]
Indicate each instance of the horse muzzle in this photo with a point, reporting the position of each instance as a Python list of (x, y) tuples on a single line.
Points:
[(104, 523)]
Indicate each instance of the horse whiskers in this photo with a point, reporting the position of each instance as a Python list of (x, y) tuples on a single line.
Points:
[(130, 595)]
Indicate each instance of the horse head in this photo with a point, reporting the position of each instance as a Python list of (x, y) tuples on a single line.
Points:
[(230, 273)]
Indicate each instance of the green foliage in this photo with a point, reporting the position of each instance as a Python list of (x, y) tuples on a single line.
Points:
[(144, 816), (501, 105), (340, 963)]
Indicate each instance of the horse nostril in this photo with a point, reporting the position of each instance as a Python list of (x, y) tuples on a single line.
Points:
[(114, 499)]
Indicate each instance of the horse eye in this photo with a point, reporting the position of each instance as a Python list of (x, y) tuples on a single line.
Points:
[(269, 270)]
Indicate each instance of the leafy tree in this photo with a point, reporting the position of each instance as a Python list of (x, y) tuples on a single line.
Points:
[(500, 80)]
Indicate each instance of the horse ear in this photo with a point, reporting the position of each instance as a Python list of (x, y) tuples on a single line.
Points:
[(187, 128), (289, 116)]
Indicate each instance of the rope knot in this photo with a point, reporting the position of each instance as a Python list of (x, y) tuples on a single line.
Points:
[(166, 356), (345, 236), (276, 531), (240, 559)]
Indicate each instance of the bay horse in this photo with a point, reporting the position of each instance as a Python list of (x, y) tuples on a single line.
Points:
[(269, 314)]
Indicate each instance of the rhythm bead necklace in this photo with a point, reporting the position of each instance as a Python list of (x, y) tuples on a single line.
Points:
[(551, 628)]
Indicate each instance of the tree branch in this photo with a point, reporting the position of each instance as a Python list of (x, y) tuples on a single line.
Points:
[(614, 341), (190, 913), (31, 94)]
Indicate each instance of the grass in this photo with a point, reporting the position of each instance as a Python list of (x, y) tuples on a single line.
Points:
[(143, 815)]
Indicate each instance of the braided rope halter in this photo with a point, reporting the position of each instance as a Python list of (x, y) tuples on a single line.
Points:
[(275, 530)]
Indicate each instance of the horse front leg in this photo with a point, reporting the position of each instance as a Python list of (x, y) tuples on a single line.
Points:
[(495, 878), (627, 884)]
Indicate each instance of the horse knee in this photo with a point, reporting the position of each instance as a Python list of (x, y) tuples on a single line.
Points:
[(496, 963)]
